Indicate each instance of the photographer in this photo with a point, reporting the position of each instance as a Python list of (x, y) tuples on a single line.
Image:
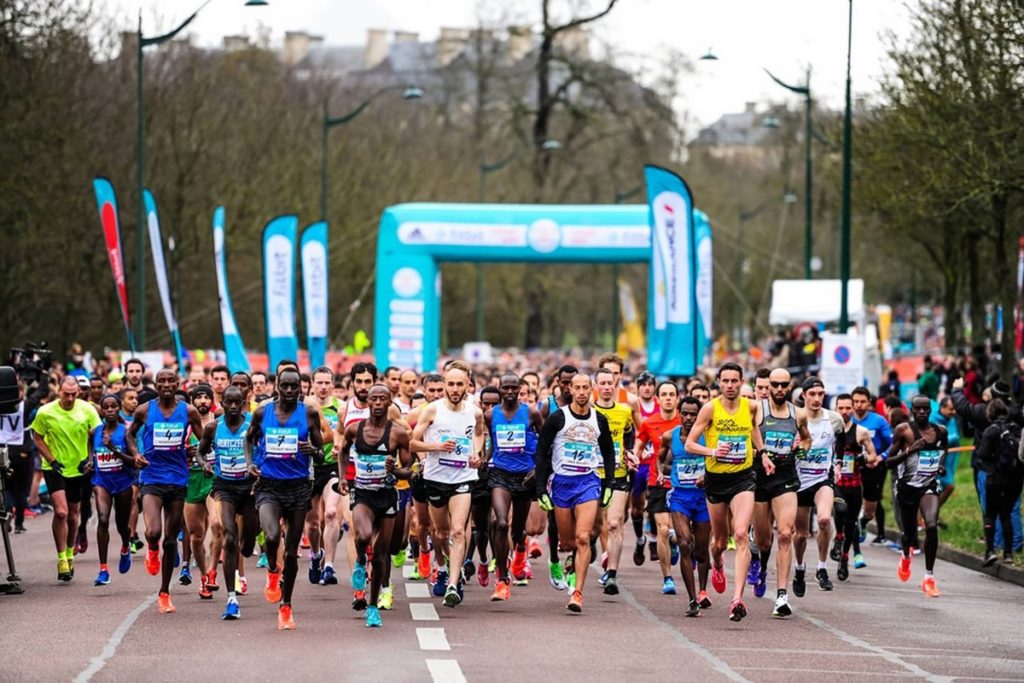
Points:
[(22, 455), (61, 433)]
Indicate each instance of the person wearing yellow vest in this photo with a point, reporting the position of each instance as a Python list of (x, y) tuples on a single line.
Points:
[(730, 445)]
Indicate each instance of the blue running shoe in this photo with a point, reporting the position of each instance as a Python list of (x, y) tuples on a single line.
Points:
[(315, 564), (262, 562), (181, 536), (102, 579), (669, 587), (126, 562), (762, 583), (231, 611), (674, 547), (328, 577), (440, 583), (754, 572), (177, 558), (359, 577), (185, 578), (858, 561), (373, 617)]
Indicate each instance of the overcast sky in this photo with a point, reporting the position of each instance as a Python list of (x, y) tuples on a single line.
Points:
[(747, 35)]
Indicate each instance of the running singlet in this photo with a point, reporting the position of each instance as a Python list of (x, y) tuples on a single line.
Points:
[(163, 445), (451, 467), (620, 421), (848, 471), (514, 442), (109, 470), (650, 433), (575, 452), (734, 429), (353, 413), (370, 460), (815, 464), (647, 410), (920, 468), (229, 449), (330, 413), (282, 458), (780, 435), (686, 468)]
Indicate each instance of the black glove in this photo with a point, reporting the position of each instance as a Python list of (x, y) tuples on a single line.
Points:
[(57, 467)]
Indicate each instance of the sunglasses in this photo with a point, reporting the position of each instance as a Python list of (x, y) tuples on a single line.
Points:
[(779, 385)]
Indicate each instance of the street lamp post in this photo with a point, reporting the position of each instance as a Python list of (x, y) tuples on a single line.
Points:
[(805, 90), (844, 240), (409, 92), (741, 256)]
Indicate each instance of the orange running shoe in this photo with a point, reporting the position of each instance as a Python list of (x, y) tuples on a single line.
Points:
[(929, 588), (575, 602), (284, 618), (153, 562), (718, 578), (163, 603), (903, 568), (204, 588), (519, 564), (211, 580), (501, 592), (535, 549), (273, 590), (424, 565), (305, 542)]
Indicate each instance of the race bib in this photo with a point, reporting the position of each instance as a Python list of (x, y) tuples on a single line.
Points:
[(737, 454), (779, 443), (460, 456), (849, 462), (168, 434), (282, 442), (510, 437), (231, 457), (688, 471), (107, 461), (928, 462), (814, 462), (370, 470), (579, 456)]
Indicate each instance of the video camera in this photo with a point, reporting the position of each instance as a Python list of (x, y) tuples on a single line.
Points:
[(12, 433), (32, 362)]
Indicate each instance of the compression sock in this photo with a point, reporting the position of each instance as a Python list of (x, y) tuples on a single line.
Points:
[(638, 528)]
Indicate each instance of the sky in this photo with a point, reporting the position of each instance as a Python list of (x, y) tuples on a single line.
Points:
[(747, 36)]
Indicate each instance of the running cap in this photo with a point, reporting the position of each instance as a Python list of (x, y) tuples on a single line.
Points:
[(812, 382)]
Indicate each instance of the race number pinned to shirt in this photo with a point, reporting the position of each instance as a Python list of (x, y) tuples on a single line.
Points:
[(580, 456), (168, 434), (370, 469), (814, 462), (282, 442), (460, 456), (511, 437), (737, 454)]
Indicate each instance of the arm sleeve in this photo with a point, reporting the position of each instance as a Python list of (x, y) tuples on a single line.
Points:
[(607, 446), (545, 441)]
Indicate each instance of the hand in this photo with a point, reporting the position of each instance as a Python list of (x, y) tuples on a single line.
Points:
[(767, 464), (699, 483), (254, 471), (140, 461), (529, 476), (107, 443), (85, 467), (191, 451), (57, 467), (544, 502), (475, 461), (942, 471), (660, 479), (918, 445), (207, 469), (606, 496), (446, 446), (724, 448), (958, 384), (632, 461), (306, 448), (872, 464), (342, 487), (389, 464)]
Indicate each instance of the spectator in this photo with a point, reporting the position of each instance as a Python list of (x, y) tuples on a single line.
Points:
[(945, 415), (928, 382), (997, 453)]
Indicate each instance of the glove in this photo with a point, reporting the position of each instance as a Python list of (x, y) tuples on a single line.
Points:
[(606, 496), (544, 502), (58, 467)]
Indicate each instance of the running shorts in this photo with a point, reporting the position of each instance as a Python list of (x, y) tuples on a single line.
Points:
[(439, 493), (168, 493), (513, 482), (873, 479), (200, 485), (291, 495), (568, 492), (722, 487), (784, 480), (657, 500), (643, 471), (692, 503), (383, 503), (322, 476), (238, 492), (75, 489), (805, 498)]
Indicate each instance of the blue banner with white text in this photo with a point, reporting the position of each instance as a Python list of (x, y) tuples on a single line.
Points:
[(704, 286), (234, 349), (156, 241), (279, 238), (313, 250)]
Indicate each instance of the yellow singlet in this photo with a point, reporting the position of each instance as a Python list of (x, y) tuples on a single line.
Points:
[(734, 428), (620, 421)]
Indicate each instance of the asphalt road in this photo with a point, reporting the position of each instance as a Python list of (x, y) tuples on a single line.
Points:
[(870, 626)]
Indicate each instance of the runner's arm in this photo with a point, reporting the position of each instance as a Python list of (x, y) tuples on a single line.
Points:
[(418, 445), (864, 439), (898, 451), (251, 437), (348, 438), (639, 445), (607, 446), (206, 443), (665, 454), (703, 420), (401, 439), (545, 441)]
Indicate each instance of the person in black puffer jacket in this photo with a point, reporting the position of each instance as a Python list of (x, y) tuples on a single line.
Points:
[(997, 452)]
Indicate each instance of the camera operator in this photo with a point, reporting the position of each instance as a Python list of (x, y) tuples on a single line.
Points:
[(61, 433), (22, 454)]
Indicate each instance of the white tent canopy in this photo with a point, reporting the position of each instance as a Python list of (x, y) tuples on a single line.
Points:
[(816, 301)]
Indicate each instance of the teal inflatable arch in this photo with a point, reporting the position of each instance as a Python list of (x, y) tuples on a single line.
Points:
[(415, 238)]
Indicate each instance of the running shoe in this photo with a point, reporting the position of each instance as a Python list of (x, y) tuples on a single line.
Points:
[(81, 541), (929, 588), (452, 597), (284, 618), (903, 568), (359, 601), (440, 583), (762, 583), (754, 572), (373, 617), (262, 563), (638, 553), (557, 578), (843, 573), (424, 565), (19, 529), (668, 586), (718, 581), (603, 579), (102, 579), (731, 545), (575, 602), (460, 586), (231, 611), (241, 585), (211, 580), (674, 549), (529, 574), (359, 577), (415, 574), (824, 583), (305, 542), (399, 558), (837, 549), (125, 562), (501, 592), (782, 608), (535, 549), (693, 610), (204, 588), (386, 599), (316, 567), (862, 534), (611, 586), (136, 545), (799, 582), (492, 565), (570, 580), (328, 577), (468, 569), (704, 600), (858, 561), (483, 577), (152, 562), (163, 603), (990, 559), (518, 567), (272, 592), (737, 610), (879, 540), (185, 577), (63, 574)]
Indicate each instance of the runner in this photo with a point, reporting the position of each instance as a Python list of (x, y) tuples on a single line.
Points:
[(480, 505), (573, 443), (380, 450), (727, 424), (163, 423), (917, 455), (113, 473), (873, 479), (814, 466), (433, 390), (247, 520), (687, 503), (220, 378), (783, 429), (232, 487), (646, 407), (286, 434), (199, 506), (134, 373), (556, 574), (392, 379), (325, 497), (450, 431), (651, 431), (513, 427), (406, 390), (60, 431), (129, 402), (763, 384), (859, 452), (620, 423)]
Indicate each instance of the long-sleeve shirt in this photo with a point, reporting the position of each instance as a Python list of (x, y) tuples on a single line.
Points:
[(546, 441)]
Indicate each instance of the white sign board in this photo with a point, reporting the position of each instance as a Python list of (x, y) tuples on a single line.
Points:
[(477, 352), (842, 362)]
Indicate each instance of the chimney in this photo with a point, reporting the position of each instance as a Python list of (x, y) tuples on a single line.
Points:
[(451, 44), (574, 42), (520, 42), (296, 46), (376, 47), (236, 43), (750, 107), (406, 37)]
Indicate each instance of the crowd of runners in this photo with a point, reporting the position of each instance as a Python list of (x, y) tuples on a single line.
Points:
[(486, 479)]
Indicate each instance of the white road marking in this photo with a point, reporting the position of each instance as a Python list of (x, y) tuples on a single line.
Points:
[(445, 671), (407, 570), (423, 611), (823, 672), (116, 637), (432, 639), (417, 590)]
